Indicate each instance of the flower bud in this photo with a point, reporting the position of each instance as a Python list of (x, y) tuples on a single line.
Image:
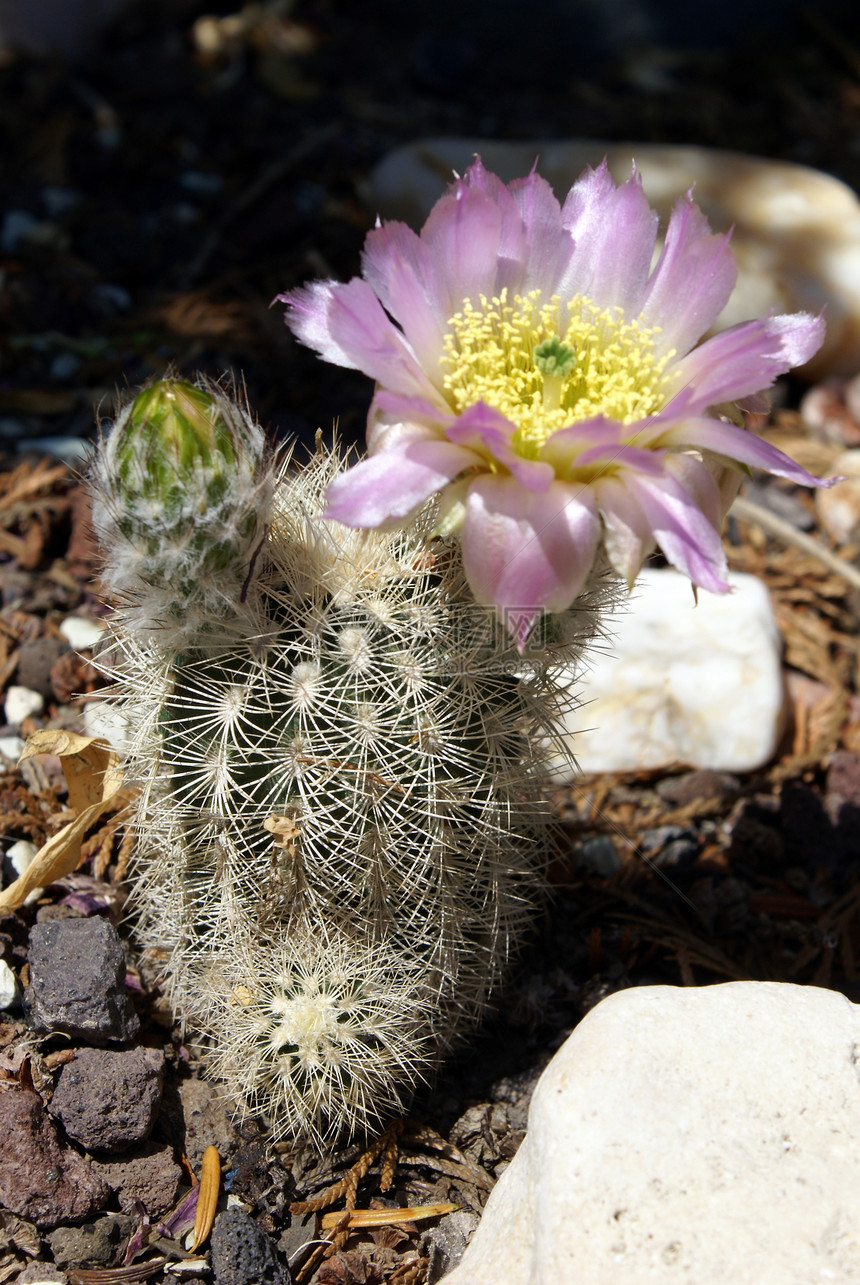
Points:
[(181, 498)]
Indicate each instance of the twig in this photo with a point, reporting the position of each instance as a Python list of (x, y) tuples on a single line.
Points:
[(749, 511)]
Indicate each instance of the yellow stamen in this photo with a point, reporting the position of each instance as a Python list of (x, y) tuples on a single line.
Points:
[(546, 365)]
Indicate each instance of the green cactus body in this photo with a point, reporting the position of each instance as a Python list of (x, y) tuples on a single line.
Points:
[(342, 810)]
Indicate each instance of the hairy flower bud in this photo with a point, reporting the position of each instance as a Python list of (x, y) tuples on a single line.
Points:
[(181, 500)]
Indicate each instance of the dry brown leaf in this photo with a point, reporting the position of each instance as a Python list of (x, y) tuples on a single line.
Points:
[(89, 764), (94, 779)]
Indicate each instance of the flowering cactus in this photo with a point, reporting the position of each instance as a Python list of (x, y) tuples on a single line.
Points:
[(533, 367), (338, 683), (343, 779)]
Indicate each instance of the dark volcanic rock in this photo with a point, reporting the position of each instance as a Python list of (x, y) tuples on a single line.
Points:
[(96, 1244), (204, 1120), (77, 981), (149, 1175), (38, 1180), (242, 1254), (108, 1100)]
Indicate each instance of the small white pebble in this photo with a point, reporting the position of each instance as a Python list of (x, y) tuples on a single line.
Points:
[(11, 747), (190, 1266), (21, 854), (81, 633), (9, 992), (20, 703)]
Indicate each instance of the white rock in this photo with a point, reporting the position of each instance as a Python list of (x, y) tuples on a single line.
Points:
[(839, 508), (21, 854), (706, 1136), (81, 633), (682, 682), (11, 747), (9, 992), (796, 230), (21, 702)]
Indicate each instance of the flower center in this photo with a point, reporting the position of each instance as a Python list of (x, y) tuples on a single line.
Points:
[(547, 365)]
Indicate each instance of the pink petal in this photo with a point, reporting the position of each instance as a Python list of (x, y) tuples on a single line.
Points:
[(692, 281), (389, 244), (549, 246), (463, 234), (680, 524), (628, 457), (527, 553), (307, 317), (748, 358), (615, 231), (593, 441), (698, 480), (399, 269), (348, 326), (416, 410), (388, 487), (563, 448), (735, 445), (488, 432), (512, 231), (627, 537)]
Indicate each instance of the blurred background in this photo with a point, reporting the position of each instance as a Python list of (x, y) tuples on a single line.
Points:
[(168, 167)]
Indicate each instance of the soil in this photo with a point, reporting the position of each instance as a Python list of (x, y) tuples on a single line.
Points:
[(165, 187)]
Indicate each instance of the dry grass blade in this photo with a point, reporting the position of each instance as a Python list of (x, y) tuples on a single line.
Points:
[(116, 1275), (387, 1217), (347, 1186)]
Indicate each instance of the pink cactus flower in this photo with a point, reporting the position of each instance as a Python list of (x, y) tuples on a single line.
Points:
[(534, 368)]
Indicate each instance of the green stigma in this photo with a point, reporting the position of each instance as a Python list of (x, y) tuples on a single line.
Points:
[(554, 358)]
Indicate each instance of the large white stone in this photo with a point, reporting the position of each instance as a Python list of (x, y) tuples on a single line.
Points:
[(682, 681), (705, 1136), (796, 230)]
